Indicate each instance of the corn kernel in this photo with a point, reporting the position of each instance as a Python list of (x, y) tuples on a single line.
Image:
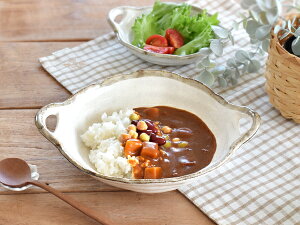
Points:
[(133, 134), (144, 137), (176, 139), (167, 137), (141, 125), (131, 127), (166, 129), (167, 144), (134, 116), (183, 144)]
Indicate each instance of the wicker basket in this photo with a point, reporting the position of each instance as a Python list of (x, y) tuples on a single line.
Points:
[(283, 80)]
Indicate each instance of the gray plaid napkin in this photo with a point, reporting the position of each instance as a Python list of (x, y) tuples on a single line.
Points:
[(260, 185)]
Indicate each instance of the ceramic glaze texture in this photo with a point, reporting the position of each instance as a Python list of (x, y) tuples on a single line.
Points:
[(145, 89), (122, 29)]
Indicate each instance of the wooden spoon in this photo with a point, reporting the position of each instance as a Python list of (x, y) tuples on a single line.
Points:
[(16, 173)]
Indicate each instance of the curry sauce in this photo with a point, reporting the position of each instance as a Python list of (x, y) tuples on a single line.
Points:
[(176, 143)]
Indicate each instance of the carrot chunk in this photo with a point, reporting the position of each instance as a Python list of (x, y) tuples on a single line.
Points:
[(150, 149), (153, 173), (133, 147), (137, 172)]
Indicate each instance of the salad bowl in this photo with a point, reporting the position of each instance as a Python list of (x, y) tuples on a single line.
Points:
[(122, 19), (84, 108)]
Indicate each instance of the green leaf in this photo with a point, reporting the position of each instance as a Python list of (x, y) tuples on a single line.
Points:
[(263, 17), (231, 62), (246, 4), (272, 15), (297, 32), (277, 28), (216, 47), (244, 68), (235, 25), (245, 21), (237, 74), (222, 82), (283, 24), (206, 78), (296, 46), (228, 72), (265, 45), (254, 12), (254, 41), (205, 51), (241, 55), (253, 66), (261, 4), (285, 34), (218, 70), (231, 38), (262, 32), (233, 81), (289, 24), (251, 27), (205, 62), (220, 32)]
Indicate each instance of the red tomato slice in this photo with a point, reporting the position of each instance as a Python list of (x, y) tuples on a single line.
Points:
[(171, 50), (174, 38), (157, 40), (161, 50)]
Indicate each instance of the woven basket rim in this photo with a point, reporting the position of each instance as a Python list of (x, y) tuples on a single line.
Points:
[(280, 45)]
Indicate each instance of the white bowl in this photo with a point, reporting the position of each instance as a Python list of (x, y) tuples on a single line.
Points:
[(123, 32), (142, 89)]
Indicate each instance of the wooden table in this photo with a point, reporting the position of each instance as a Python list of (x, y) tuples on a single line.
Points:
[(30, 29)]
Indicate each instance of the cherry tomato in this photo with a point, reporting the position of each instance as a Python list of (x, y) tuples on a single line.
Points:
[(157, 40), (174, 38), (161, 50)]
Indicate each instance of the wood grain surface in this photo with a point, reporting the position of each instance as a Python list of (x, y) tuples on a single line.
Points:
[(30, 29)]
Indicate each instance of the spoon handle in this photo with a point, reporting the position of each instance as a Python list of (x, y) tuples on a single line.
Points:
[(99, 217)]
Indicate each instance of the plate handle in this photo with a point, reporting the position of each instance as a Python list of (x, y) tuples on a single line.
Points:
[(113, 14), (254, 117), (40, 121)]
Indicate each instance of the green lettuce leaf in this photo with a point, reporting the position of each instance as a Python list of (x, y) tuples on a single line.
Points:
[(195, 29)]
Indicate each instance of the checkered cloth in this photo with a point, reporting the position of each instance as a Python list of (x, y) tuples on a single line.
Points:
[(260, 185)]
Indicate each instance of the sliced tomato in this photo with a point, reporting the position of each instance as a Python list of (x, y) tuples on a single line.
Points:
[(174, 38), (171, 50), (161, 50), (157, 40)]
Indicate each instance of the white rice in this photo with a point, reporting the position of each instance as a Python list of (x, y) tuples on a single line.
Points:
[(107, 153)]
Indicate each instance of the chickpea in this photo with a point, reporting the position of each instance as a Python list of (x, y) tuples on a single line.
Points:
[(166, 129), (176, 139), (131, 127), (133, 134), (144, 137), (124, 137), (167, 144), (141, 125), (134, 116)]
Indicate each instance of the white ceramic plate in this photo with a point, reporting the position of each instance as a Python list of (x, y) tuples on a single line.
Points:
[(122, 28), (144, 89)]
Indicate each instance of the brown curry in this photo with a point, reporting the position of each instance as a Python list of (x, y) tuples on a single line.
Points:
[(167, 142)]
